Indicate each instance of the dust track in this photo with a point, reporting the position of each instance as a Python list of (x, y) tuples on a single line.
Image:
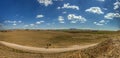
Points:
[(44, 50)]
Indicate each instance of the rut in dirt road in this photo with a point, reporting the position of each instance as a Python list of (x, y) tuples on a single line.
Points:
[(44, 50)]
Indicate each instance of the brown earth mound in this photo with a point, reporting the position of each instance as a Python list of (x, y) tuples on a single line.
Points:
[(108, 49)]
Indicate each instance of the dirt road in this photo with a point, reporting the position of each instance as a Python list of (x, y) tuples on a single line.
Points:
[(44, 50)]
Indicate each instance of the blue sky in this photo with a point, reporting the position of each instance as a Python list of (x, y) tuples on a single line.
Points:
[(60, 14)]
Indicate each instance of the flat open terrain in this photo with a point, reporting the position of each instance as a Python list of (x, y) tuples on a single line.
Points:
[(57, 38)]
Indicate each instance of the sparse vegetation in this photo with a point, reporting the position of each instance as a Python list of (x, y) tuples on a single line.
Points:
[(56, 38)]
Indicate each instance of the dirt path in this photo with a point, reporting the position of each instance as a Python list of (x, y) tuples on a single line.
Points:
[(44, 50)]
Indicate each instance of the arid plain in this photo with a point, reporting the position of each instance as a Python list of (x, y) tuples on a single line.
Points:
[(58, 39)]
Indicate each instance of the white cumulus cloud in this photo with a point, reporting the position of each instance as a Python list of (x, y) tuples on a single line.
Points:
[(9, 21), (45, 2), (74, 18), (96, 10), (32, 25), (40, 16), (13, 22), (68, 6), (61, 19), (39, 22), (112, 15), (116, 5), (101, 22)]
